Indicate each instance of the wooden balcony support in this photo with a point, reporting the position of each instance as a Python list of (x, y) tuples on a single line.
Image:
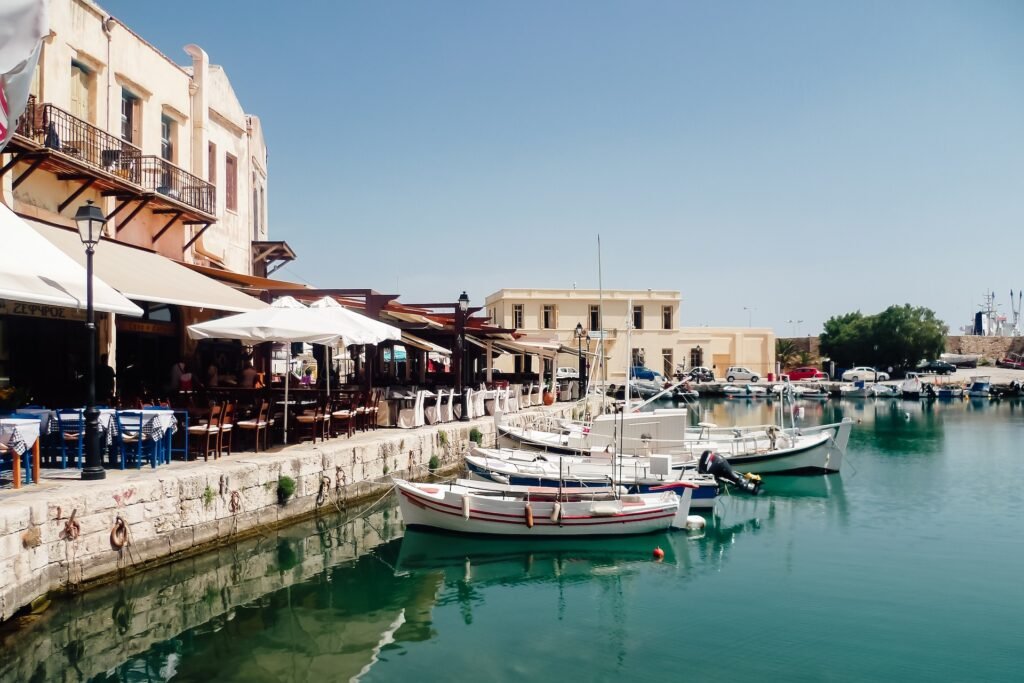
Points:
[(206, 226), (75, 195), (27, 172), (133, 214), (160, 233)]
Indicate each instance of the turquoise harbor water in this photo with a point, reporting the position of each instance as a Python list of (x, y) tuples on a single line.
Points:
[(905, 567)]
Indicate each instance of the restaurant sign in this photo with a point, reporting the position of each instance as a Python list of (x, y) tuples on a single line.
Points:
[(40, 311)]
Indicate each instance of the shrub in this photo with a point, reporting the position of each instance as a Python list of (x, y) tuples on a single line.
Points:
[(476, 436), (442, 438), (207, 496), (285, 489), (434, 463)]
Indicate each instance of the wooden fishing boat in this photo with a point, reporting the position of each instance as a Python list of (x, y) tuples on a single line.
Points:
[(495, 509)]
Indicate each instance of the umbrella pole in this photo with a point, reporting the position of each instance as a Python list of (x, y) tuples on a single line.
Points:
[(287, 373)]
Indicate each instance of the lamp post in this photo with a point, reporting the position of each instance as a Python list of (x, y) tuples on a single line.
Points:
[(750, 314), (90, 220), (579, 334), (460, 379)]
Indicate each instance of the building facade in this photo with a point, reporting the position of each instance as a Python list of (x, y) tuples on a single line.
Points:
[(170, 156), (638, 327)]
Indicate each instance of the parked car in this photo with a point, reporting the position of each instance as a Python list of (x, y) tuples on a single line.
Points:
[(939, 367), (640, 372), (702, 374), (865, 373), (567, 373), (1014, 361), (806, 373), (737, 372)]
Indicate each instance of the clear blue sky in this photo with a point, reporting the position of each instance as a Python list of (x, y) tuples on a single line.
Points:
[(798, 158)]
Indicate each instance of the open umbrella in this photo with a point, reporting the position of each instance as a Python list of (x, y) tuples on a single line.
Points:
[(285, 320), (355, 328)]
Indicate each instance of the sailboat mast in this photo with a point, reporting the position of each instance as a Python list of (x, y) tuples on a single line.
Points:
[(600, 323)]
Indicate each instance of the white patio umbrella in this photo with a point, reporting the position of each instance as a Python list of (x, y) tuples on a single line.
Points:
[(356, 328), (285, 320), (34, 270)]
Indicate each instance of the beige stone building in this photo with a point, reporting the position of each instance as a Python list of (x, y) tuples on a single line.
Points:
[(165, 149), (650, 319)]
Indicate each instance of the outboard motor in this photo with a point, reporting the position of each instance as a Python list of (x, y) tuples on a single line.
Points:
[(714, 464)]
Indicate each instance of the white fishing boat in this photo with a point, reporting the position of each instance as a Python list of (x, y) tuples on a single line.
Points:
[(857, 389), (980, 386), (949, 391), (759, 449), (629, 474), (912, 387), (495, 509), (884, 391)]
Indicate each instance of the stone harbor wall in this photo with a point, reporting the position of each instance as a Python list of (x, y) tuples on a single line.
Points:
[(185, 508), (991, 348), (97, 631)]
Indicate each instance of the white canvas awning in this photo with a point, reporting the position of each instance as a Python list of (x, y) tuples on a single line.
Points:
[(147, 276), (32, 269), (286, 320)]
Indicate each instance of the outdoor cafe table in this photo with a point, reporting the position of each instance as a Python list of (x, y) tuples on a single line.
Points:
[(20, 434)]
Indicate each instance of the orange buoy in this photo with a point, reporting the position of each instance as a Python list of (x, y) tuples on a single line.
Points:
[(659, 554), (529, 516)]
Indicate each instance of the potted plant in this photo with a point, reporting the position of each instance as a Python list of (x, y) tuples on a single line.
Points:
[(549, 394)]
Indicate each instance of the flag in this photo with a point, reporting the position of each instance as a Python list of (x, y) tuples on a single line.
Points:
[(23, 24)]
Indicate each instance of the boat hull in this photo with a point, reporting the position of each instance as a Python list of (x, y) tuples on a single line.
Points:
[(437, 507)]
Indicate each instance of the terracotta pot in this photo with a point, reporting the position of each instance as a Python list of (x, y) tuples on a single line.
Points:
[(549, 398)]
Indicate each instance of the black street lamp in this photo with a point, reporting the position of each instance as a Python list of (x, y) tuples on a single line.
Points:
[(579, 334), (460, 329), (90, 220)]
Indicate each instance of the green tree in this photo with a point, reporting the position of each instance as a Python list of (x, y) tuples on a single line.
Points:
[(898, 337), (785, 352)]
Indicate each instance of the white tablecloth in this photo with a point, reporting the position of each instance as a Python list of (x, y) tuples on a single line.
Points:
[(19, 434)]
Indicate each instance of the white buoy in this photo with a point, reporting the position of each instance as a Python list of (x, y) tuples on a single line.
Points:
[(695, 522), (465, 507)]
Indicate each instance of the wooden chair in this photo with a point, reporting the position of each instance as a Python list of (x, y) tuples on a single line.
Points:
[(227, 424), (342, 415), (132, 440), (72, 434), (256, 425), (208, 434), (310, 421), (373, 409)]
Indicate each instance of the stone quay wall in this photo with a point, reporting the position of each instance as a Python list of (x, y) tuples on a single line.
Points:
[(991, 348), (185, 508), (96, 631)]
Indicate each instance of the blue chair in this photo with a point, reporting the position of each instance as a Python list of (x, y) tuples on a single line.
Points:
[(131, 441), (71, 435)]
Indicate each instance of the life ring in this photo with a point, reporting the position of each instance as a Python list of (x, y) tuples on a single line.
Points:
[(119, 534)]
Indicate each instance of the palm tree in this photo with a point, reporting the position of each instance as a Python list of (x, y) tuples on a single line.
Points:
[(786, 353)]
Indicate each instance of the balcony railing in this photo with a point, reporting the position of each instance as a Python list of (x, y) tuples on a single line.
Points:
[(60, 131), (167, 179)]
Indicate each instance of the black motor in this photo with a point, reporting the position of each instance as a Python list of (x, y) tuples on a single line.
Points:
[(714, 464)]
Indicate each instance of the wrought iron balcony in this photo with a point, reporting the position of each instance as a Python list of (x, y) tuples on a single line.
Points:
[(165, 178), (56, 129)]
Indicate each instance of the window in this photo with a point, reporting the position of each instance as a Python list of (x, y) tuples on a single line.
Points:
[(696, 357), (517, 316), (638, 317), (666, 317), (549, 317), (167, 138), (667, 362), (638, 357), (81, 96), (211, 170), (595, 317), (129, 116), (231, 182)]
